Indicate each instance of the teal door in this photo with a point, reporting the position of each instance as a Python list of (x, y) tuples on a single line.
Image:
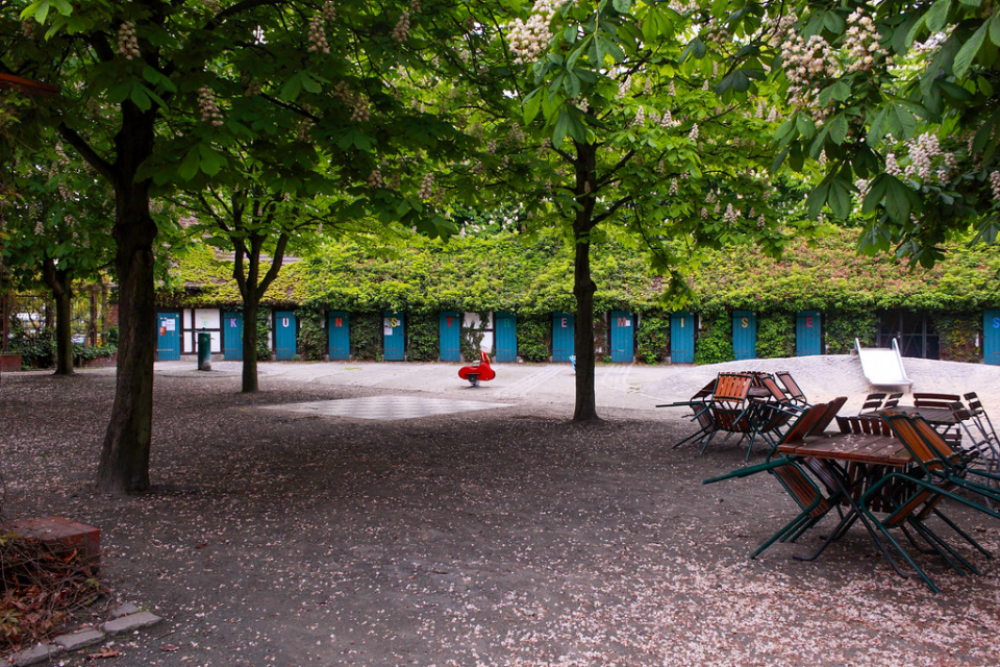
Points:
[(232, 336), (744, 335), (808, 334), (991, 337), (563, 337), (285, 328), (450, 334), (394, 335), (168, 336), (339, 329), (506, 338), (622, 336), (682, 338)]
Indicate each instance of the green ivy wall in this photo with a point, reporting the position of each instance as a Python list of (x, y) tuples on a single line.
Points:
[(534, 278)]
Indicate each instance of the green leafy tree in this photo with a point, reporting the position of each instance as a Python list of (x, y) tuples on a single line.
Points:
[(895, 102), (150, 91), (594, 114), (54, 215)]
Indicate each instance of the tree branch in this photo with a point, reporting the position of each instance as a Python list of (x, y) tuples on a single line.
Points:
[(103, 167)]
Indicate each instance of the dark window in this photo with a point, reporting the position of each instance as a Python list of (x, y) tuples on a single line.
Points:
[(915, 332)]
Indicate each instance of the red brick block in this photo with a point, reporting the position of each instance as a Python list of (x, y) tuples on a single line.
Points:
[(63, 536)]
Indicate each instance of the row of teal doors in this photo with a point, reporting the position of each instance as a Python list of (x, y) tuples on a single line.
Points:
[(682, 336)]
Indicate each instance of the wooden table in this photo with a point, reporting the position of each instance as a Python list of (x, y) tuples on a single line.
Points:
[(878, 450), (933, 416), (856, 462)]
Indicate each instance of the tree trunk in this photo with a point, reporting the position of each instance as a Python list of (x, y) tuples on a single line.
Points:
[(60, 284), (583, 284), (250, 306), (92, 326), (584, 288), (64, 321), (124, 466), (105, 314)]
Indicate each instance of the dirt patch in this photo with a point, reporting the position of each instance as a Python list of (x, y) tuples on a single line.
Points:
[(504, 537)]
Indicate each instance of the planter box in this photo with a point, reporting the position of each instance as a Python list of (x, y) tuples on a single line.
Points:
[(101, 362), (10, 362), (64, 537)]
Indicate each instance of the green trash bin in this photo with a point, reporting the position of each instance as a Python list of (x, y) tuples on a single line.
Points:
[(204, 351)]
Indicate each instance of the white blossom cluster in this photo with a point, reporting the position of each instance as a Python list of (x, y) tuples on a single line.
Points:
[(640, 118), (673, 186), (995, 185), (683, 7), (731, 215), (782, 28), (317, 36), (402, 29), (892, 166), (922, 151), (362, 110), (931, 44), (375, 179), (128, 45), (427, 187), (805, 62), (28, 28), (861, 42), (693, 135), (415, 6), (210, 112), (529, 38)]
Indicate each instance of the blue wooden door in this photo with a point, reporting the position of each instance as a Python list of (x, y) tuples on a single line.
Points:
[(394, 336), (450, 336), (232, 336), (744, 335), (168, 336), (808, 334), (563, 337), (285, 329), (339, 328), (991, 337), (622, 336), (506, 324), (682, 338)]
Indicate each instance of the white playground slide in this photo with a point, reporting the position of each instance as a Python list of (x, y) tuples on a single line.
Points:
[(883, 367)]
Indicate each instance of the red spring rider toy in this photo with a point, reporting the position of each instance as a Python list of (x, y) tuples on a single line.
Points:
[(480, 372)]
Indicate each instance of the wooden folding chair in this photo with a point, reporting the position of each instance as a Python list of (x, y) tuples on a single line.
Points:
[(791, 387), (873, 403), (729, 406), (700, 412)]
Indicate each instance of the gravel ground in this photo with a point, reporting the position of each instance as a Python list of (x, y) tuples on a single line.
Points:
[(507, 536)]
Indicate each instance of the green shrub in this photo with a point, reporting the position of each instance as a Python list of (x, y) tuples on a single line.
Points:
[(715, 344), (775, 335), (840, 328), (263, 334), (957, 336), (366, 336), (653, 337), (312, 341), (423, 337), (534, 336)]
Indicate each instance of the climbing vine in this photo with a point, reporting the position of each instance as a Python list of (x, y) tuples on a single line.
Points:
[(534, 337), (423, 337), (715, 343), (653, 337), (775, 334), (366, 336)]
